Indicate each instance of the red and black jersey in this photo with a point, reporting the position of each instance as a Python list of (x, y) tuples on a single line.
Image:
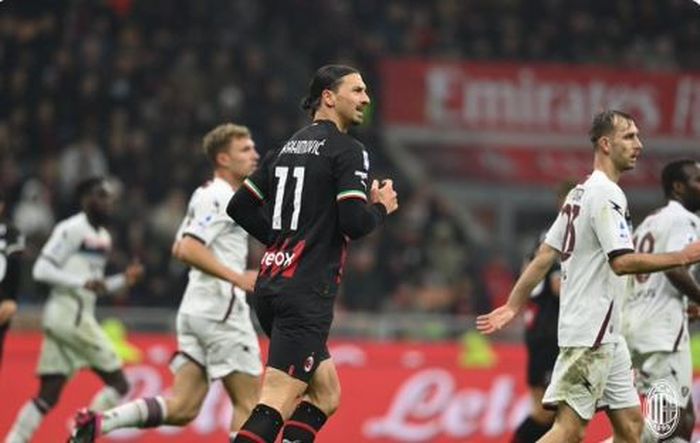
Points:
[(305, 186)]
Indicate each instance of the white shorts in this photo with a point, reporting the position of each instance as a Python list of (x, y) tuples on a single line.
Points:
[(73, 340), (676, 368), (220, 348), (587, 379)]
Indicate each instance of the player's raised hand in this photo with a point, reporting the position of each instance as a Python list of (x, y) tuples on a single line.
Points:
[(384, 194), (495, 320), (133, 272), (246, 281)]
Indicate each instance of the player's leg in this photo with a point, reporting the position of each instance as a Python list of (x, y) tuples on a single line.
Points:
[(541, 359), (178, 409), (621, 400), (56, 365), (244, 391), (116, 387), (278, 397), (687, 422), (297, 346), (33, 411), (538, 422), (233, 355), (320, 402), (627, 424), (568, 426)]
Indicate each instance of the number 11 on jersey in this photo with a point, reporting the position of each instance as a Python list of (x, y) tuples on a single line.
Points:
[(281, 173)]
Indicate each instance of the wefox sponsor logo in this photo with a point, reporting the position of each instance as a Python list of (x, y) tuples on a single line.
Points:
[(281, 260)]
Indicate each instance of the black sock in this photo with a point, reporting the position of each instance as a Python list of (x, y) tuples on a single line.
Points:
[(529, 431), (263, 424), (304, 423)]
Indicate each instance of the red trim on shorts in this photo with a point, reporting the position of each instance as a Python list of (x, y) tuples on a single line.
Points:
[(604, 326), (301, 425), (250, 436)]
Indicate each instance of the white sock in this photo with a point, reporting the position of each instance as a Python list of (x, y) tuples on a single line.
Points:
[(106, 398), (232, 436), (131, 415), (28, 420)]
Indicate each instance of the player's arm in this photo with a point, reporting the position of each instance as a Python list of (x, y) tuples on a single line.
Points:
[(128, 278), (357, 218), (359, 215), (46, 270), (535, 271), (193, 252), (246, 205), (682, 280), (245, 208), (640, 263)]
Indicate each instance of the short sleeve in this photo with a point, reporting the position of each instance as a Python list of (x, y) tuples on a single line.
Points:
[(351, 173), (555, 235), (609, 216), (258, 182), (206, 219), (681, 235), (65, 241)]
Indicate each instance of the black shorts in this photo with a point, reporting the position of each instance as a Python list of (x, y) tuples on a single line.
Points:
[(541, 356), (298, 327)]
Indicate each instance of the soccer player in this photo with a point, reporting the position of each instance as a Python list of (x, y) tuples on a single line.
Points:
[(541, 316), (216, 338), (11, 247), (655, 320), (314, 188), (592, 238), (73, 263)]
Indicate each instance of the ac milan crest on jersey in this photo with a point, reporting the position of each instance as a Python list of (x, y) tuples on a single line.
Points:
[(308, 363)]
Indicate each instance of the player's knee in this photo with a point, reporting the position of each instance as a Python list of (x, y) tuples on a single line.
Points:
[(182, 412), (630, 429), (328, 401)]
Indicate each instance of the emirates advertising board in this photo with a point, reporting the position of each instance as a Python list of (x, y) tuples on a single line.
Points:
[(392, 392), (506, 122)]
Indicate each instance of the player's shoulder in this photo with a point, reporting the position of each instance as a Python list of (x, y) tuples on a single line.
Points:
[(73, 223), (599, 186)]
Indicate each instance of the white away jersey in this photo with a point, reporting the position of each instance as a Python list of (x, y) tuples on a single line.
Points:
[(78, 248), (655, 317), (207, 221), (592, 227)]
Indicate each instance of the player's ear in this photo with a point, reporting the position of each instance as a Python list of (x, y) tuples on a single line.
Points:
[(604, 143), (328, 98), (223, 159)]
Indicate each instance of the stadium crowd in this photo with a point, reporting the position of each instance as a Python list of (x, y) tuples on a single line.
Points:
[(127, 88)]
